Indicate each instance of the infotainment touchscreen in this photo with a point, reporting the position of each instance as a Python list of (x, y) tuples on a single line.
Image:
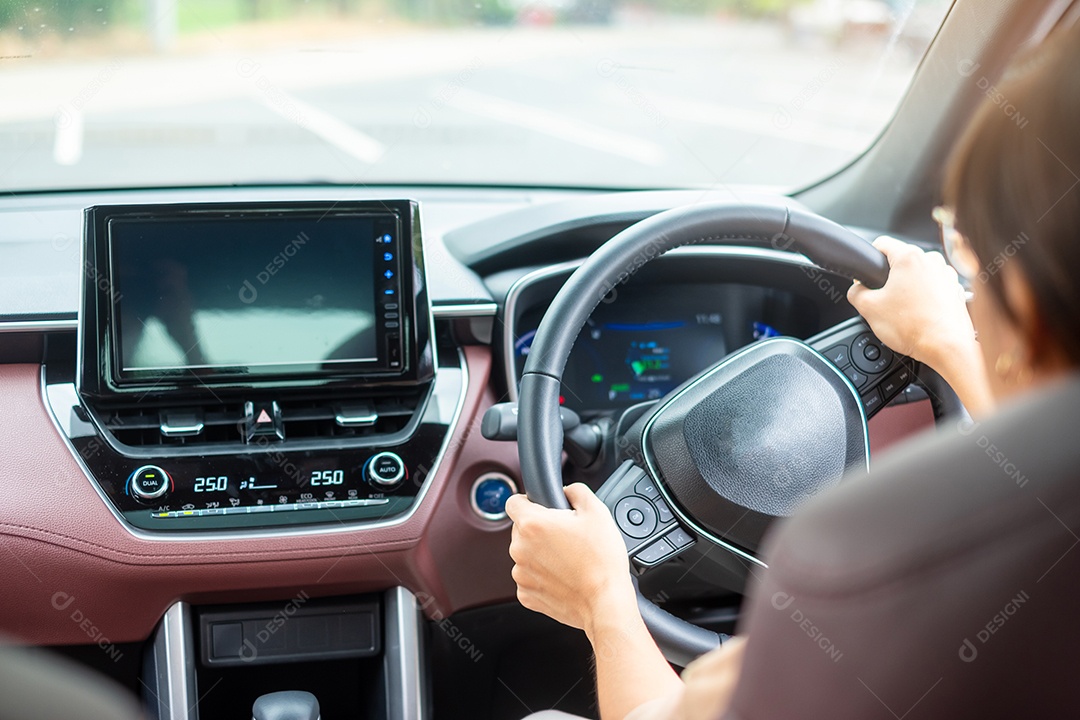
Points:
[(208, 294), (216, 294)]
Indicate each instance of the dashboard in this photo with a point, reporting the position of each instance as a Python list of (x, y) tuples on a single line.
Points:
[(371, 473)]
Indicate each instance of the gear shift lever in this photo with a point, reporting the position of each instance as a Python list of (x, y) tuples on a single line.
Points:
[(286, 705)]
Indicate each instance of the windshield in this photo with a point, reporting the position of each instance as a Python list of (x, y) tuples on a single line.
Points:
[(592, 93)]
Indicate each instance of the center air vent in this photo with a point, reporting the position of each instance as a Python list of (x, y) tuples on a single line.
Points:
[(218, 423)]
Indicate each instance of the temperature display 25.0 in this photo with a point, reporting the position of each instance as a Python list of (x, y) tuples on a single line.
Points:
[(327, 477), (211, 484)]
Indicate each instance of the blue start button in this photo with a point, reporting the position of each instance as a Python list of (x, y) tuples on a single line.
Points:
[(489, 495)]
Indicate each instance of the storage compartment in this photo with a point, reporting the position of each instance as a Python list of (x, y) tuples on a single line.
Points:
[(351, 688), (331, 648)]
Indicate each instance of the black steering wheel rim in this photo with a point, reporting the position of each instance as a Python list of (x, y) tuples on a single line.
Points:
[(829, 245)]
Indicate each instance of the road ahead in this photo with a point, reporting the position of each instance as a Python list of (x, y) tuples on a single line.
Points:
[(640, 103)]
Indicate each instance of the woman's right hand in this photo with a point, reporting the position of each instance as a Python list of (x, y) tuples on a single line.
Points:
[(921, 311)]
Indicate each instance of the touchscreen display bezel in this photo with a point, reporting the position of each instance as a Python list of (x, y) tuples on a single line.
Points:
[(403, 345)]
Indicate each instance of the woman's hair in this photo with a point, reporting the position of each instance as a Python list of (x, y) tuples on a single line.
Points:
[(1013, 181)]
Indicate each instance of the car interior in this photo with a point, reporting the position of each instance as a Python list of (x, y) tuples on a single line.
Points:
[(260, 416)]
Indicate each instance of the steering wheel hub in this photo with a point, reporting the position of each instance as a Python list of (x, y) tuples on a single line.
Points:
[(752, 437)]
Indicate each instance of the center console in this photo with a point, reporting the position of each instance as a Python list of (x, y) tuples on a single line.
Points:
[(359, 656), (246, 367)]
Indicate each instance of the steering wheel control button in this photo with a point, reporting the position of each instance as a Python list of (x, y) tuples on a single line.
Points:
[(149, 482), (869, 355), (679, 538), (655, 552), (857, 378), (385, 470), (872, 401), (896, 382), (647, 488), (663, 512), (634, 508), (489, 495), (838, 355)]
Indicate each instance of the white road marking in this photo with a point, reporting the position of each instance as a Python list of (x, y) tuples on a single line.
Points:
[(559, 126), (333, 130), (68, 142)]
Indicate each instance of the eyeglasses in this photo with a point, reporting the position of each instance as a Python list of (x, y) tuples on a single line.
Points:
[(957, 248)]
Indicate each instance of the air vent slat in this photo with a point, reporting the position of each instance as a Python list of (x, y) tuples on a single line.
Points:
[(223, 423)]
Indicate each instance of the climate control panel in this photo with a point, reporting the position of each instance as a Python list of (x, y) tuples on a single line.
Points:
[(272, 483), (310, 488), (262, 489)]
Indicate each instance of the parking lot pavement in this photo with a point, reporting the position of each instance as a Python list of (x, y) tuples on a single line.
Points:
[(638, 104)]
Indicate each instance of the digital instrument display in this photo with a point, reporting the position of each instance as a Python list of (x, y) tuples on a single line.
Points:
[(203, 294), (652, 339)]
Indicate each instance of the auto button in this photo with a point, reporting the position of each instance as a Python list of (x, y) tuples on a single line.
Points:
[(385, 470)]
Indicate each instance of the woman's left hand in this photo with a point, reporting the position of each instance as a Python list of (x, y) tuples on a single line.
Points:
[(571, 565)]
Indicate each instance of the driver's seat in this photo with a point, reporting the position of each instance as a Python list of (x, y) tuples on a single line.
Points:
[(944, 585), (36, 685)]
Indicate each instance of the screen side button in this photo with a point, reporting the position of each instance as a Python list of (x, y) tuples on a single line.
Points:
[(393, 350)]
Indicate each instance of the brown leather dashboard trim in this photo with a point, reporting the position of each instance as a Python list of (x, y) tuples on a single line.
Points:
[(63, 554), (72, 575)]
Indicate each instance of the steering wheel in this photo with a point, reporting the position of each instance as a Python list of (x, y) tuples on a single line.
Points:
[(743, 442)]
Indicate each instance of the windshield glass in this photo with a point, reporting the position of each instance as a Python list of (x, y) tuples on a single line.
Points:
[(595, 93)]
